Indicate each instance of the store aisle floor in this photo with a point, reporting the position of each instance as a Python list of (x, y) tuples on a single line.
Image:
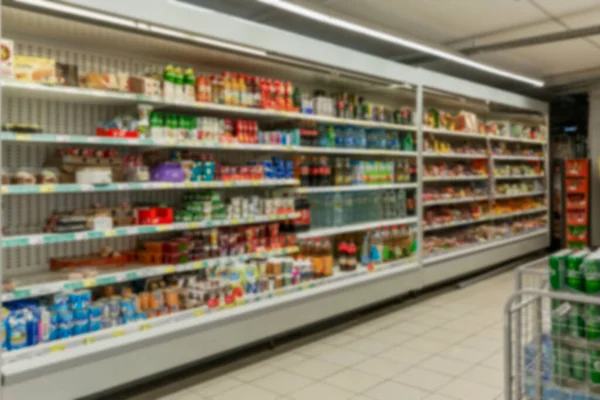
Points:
[(446, 346)]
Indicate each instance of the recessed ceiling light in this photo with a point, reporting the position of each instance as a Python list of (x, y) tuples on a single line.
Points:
[(327, 19)]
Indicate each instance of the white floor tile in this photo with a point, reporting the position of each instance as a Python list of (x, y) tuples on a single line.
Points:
[(320, 390), (426, 345), (411, 328), (488, 376), (395, 391), (446, 366), (466, 354), (404, 355), (282, 382), (445, 335), (437, 396), (391, 337), (463, 389), (253, 372), (339, 339), (381, 367), (315, 369), (343, 357), (354, 381), (481, 343), (314, 349), (368, 346), (495, 361), (287, 360), (216, 386), (423, 379), (246, 392)]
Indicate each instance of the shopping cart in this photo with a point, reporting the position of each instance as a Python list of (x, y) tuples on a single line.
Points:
[(533, 275), (551, 346)]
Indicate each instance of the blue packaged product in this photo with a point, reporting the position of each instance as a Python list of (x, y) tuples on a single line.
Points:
[(80, 300), (95, 325), (33, 324), (141, 316), (65, 324), (128, 307), (125, 319), (95, 310), (114, 307), (60, 302), (80, 314), (4, 313), (16, 331), (80, 327)]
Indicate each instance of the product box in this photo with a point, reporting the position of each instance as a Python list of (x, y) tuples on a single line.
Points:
[(67, 74), (96, 80), (145, 85), (35, 69), (7, 60)]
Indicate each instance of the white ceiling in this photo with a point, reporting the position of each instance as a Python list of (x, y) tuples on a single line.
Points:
[(459, 24)]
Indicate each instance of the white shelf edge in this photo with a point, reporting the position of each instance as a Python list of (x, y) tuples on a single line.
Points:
[(517, 177), (519, 213), (455, 224), (456, 134), (517, 158), (455, 155), (428, 260), (516, 140), (316, 233), (454, 201), (355, 188), (137, 98), (9, 190), (455, 178), (517, 195)]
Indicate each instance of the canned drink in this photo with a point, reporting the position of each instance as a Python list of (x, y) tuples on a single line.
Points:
[(579, 364), (577, 320), (575, 270), (591, 273), (594, 366), (592, 322), (560, 317), (557, 263), (562, 361)]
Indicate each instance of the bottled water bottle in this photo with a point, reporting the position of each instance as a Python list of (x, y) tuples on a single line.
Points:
[(338, 209)]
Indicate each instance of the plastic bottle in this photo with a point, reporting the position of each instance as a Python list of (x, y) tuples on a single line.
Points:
[(189, 83), (179, 83), (331, 136), (385, 238), (376, 253), (365, 250), (342, 256), (169, 82), (338, 209), (351, 260), (327, 258)]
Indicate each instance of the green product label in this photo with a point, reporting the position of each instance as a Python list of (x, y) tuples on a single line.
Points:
[(591, 272), (594, 366), (562, 361), (579, 364), (592, 322), (560, 317), (557, 272), (576, 324), (575, 274)]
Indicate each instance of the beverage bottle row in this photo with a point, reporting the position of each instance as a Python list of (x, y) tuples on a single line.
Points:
[(357, 137), (386, 244), (324, 171), (320, 252), (339, 209)]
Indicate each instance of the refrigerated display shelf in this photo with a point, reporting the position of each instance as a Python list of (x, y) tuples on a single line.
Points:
[(517, 140), (454, 224), (335, 282), (40, 91), (517, 195), (355, 188), (456, 134), (50, 238), (133, 186), (41, 138), (455, 178), (324, 232), (514, 177), (455, 155), (436, 258), (516, 158), (519, 213), (454, 201), (45, 284)]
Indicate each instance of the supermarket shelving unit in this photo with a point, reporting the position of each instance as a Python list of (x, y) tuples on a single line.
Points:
[(92, 363)]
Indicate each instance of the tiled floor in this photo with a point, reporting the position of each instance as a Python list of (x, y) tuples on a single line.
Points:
[(446, 346)]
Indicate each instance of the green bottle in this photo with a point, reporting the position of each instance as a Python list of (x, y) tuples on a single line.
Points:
[(557, 263)]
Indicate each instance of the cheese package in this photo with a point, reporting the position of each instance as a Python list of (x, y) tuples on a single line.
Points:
[(35, 69), (7, 60)]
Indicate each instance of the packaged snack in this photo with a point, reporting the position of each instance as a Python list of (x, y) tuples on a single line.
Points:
[(67, 74), (7, 59), (48, 176), (24, 176), (35, 69)]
